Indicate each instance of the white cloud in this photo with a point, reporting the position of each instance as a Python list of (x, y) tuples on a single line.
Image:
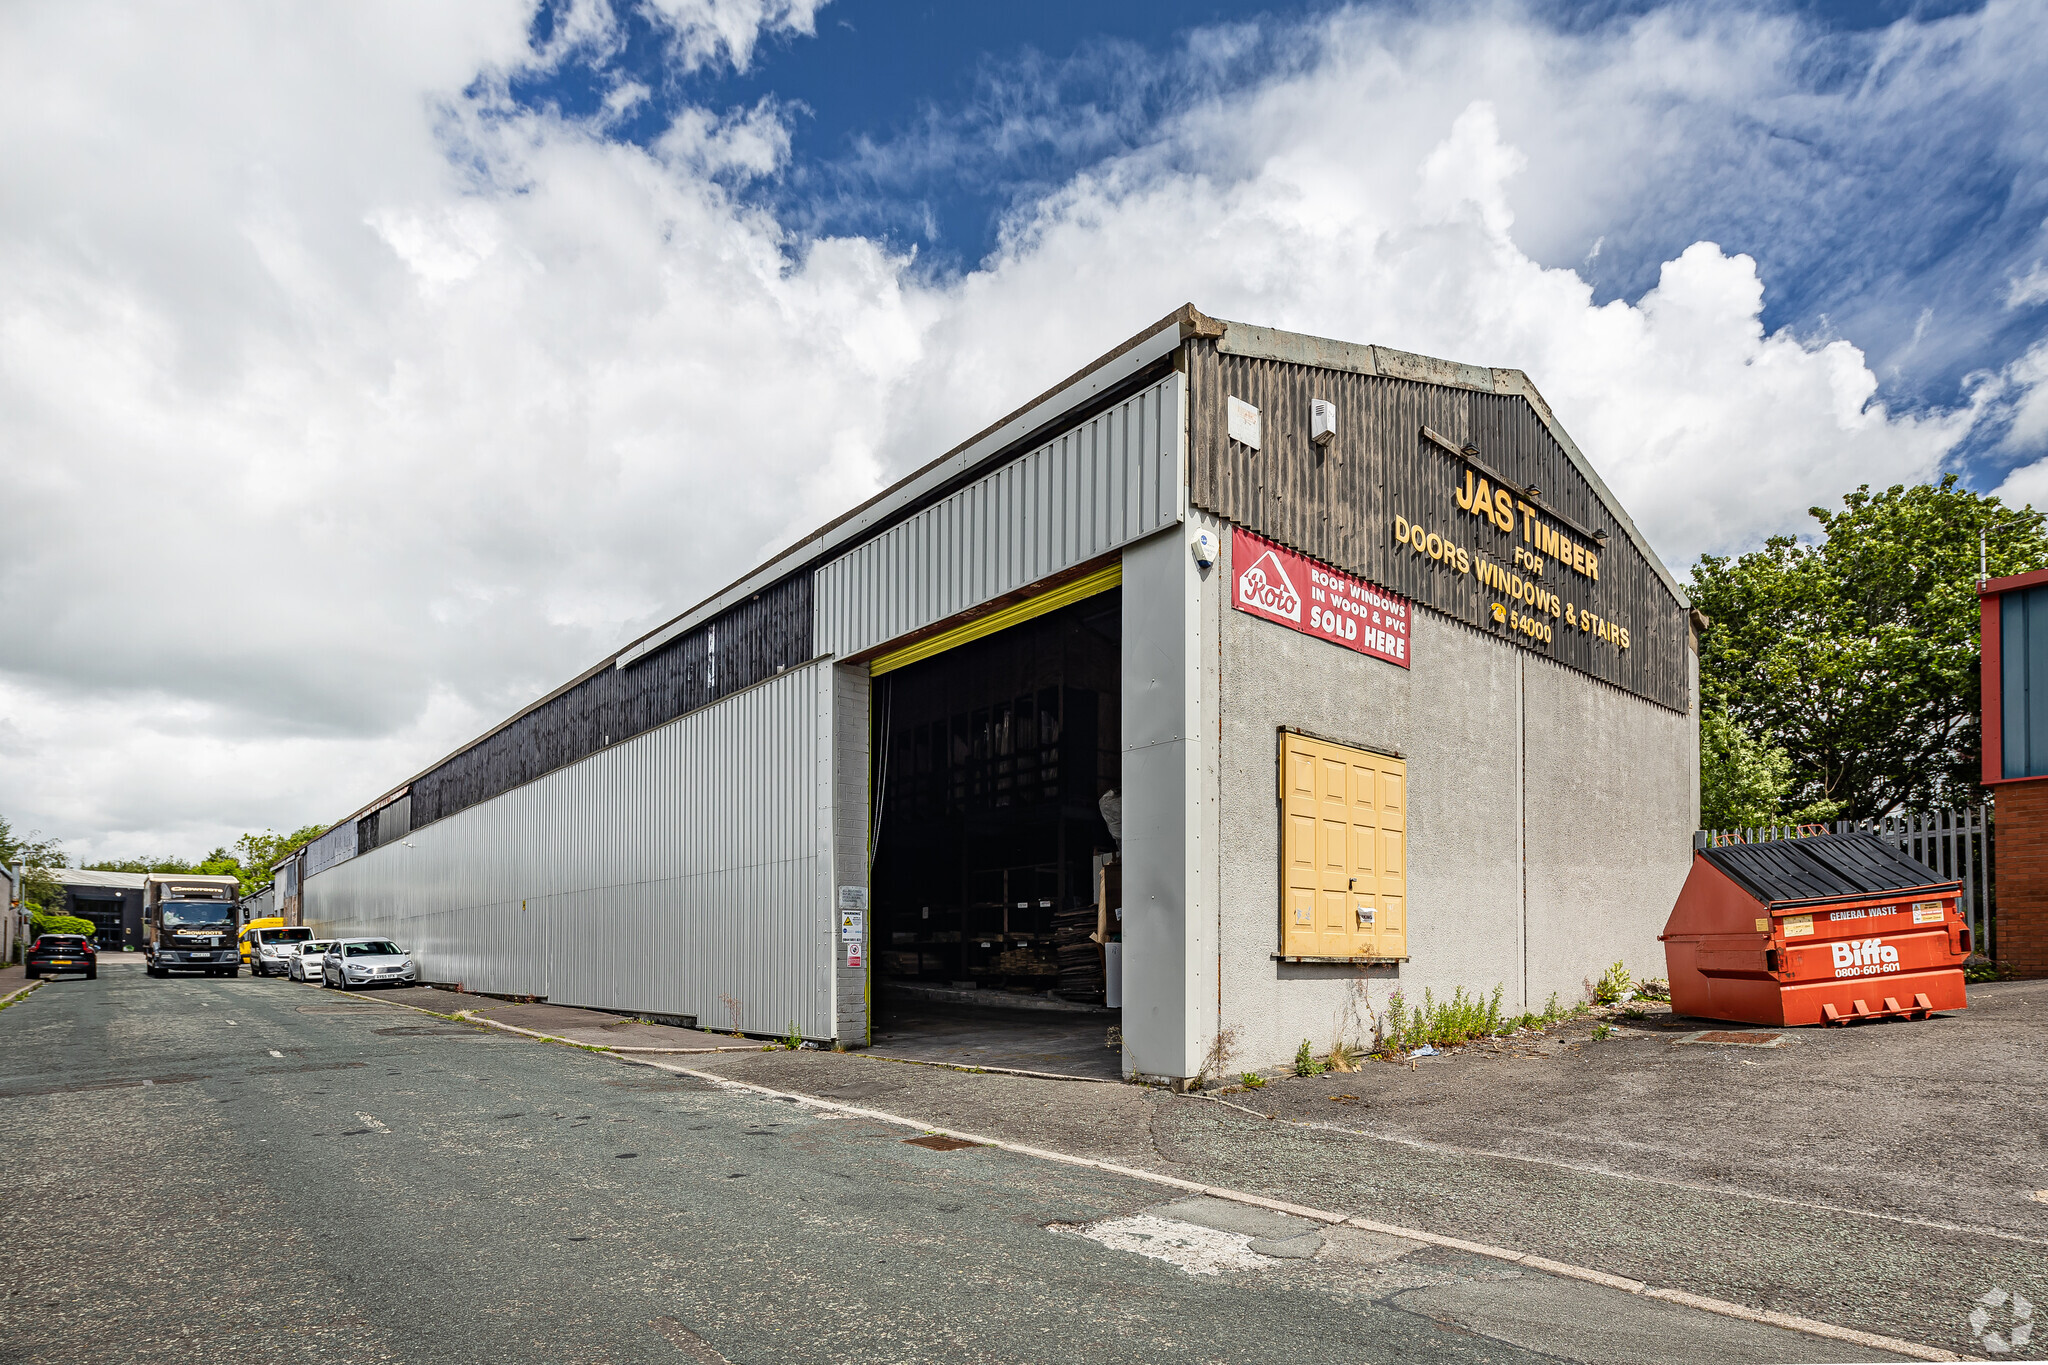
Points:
[(728, 30), (2029, 288), (2019, 396), (341, 413)]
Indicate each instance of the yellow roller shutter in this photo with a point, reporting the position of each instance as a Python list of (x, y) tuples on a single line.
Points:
[(1344, 851)]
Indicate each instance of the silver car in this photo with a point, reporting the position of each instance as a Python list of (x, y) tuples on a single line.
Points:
[(304, 965), (354, 962)]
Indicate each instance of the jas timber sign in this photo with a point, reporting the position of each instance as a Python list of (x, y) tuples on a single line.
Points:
[(1444, 494), (1280, 585), (1523, 601), (1532, 572)]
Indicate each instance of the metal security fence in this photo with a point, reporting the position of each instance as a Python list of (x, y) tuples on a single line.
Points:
[(1956, 845)]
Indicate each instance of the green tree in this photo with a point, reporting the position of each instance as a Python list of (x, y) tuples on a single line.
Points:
[(140, 865), (40, 889), (1744, 782), (249, 861), (258, 853), (1857, 654), (54, 923)]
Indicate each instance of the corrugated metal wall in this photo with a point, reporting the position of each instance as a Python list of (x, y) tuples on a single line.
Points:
[(1113, 479), (752, 641), (684, 871), (381, 826), (1338, 503), (336, 845)]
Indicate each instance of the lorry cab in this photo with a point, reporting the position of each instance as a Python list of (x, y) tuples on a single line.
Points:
[(189, 924)]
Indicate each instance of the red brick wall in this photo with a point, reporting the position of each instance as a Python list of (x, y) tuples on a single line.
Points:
[(2022, 852)]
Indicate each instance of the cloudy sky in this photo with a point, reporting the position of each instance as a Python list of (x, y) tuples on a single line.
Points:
[(368, 369)]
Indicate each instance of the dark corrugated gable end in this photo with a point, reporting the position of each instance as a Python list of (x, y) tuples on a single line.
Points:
[(1340, 503), (746, 644)]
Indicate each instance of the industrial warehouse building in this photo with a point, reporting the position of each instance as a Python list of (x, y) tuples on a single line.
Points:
[(111, 900), (1253, 675)]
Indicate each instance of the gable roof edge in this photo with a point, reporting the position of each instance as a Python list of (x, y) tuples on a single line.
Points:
[(1517, 382), (1270, 343)]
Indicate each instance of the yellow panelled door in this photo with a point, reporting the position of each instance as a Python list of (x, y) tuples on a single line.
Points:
[(1345, 851)]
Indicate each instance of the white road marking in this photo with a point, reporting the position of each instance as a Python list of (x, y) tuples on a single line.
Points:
[(369, 1122), (1910, 1349), (275, 1053), (1195, 1249)]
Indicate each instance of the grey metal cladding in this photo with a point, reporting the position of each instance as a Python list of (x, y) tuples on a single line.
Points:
[(754, 640), (1338, 504), (337, 845), (1111, 480), (684, 871), (393, 820)]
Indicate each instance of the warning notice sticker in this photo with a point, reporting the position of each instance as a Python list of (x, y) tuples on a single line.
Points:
[(1297, 592)]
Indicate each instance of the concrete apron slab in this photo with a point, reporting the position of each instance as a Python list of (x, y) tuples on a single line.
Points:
[(1576, 1302)]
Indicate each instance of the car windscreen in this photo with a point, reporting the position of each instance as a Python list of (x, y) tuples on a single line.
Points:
[(373, 947), (314, 947), (285, 935), (198, 915), (60, 942)]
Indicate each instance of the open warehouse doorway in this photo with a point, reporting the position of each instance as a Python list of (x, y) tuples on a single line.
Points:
[(996, 876)]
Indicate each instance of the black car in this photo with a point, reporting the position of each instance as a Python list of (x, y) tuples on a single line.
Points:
[(54, 953)]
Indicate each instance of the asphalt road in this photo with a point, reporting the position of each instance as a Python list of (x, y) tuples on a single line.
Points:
[(252, 1170)]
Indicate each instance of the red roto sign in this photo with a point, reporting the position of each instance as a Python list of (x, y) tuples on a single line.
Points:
[(1282, 586)]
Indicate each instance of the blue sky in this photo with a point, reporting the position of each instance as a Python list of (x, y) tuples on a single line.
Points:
[(926, 124)]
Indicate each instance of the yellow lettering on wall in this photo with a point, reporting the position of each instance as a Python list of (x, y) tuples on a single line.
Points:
[(1464, 495)]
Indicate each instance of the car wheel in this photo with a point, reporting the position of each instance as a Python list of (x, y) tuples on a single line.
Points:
[(234, 971), (92, 973), (30, 972)]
